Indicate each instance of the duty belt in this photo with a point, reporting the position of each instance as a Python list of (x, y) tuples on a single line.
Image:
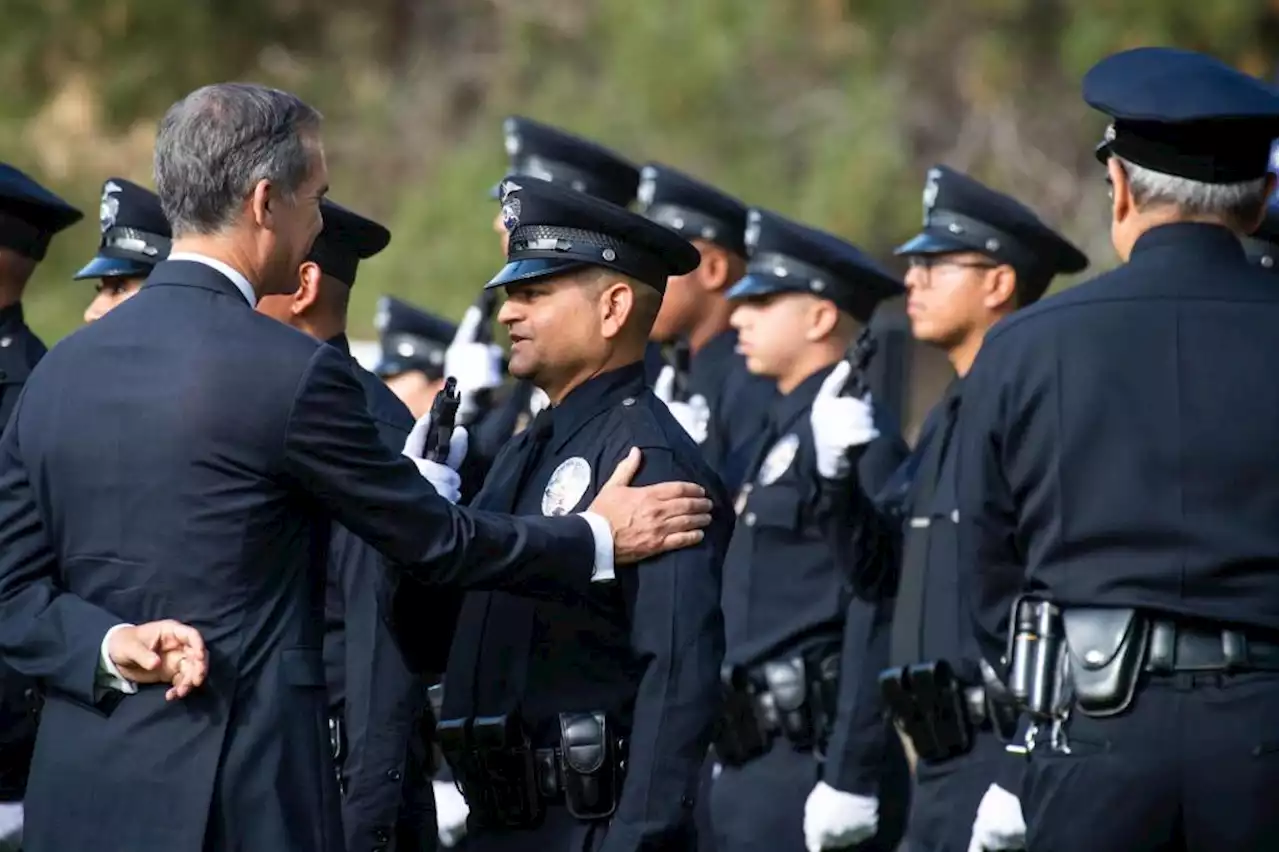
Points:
[(1179, 647)]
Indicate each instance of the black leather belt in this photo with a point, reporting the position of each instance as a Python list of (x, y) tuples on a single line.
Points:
[(1175, 647)]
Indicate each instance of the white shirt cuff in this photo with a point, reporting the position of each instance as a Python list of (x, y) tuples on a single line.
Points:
[(602, 570), (109, 677)]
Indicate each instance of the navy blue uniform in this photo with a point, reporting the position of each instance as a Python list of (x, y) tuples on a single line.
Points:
[(30, 216), (645, 650), (783, 593), (381, 702), (222, 446), (1105, 462)]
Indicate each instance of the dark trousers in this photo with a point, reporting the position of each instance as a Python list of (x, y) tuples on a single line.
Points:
[(559, 832), (759, 807), (1191, 765), (945, 797)]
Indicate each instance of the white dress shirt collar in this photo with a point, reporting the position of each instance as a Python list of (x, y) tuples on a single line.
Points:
[(242, 283)]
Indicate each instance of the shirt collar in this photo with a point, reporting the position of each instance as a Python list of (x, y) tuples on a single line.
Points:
[(594, 396), (242, 283), (1193, 237), (11, 315), (340, 343), (788, 408)]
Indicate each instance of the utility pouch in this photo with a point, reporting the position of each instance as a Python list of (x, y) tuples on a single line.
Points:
[(590, 765), (1106, 649)]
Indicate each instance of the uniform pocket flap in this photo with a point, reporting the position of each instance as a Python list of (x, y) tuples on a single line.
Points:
[(773, 507), (1095, 636)]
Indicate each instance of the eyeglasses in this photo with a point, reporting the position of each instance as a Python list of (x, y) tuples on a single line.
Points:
[(928, 262)]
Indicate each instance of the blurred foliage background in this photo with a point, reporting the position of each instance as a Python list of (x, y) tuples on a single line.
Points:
[(826, 110)]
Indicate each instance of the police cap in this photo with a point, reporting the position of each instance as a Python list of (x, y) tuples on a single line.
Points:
[(540, 151), (1183, 113), (961, 214), (691, 208), (410, 339), (787, 257), (554, 230), (30, 214), (346, 239), (135, 233)]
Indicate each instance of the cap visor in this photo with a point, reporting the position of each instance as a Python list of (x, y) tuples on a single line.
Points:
[(751, 286), (112, 267), (927, 242), (523, 271)]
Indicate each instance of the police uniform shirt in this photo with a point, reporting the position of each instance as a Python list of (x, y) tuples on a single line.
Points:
[(782, 584), (645, 650), (1117, 442)]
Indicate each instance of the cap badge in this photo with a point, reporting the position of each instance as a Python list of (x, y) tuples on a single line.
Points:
[(568, 483), (511, 138), (110, 206), (930, 196), (382, 315), (510, 205), (648, 186), (1109, 135), (752, 235)]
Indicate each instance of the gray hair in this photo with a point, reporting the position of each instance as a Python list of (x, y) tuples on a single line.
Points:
[(215, 144), (1236, 205)]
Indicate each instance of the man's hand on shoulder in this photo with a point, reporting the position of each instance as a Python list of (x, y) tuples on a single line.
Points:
[(653, 519), (165, 651)]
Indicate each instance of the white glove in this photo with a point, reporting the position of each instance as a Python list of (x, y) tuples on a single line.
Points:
[(476, 366), (451, 813), (10, 825), (443, 477), (999, 823), (693, 416), (839, 424), (834, 819)]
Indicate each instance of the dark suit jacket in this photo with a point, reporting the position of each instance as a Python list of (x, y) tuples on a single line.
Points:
[(183, 457)]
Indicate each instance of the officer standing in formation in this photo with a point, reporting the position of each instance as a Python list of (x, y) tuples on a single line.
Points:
[(803, 301), (30, 216), (581, 723), (980, 256), (1117, 464), (378, 708), (135, 237), (723, 406)]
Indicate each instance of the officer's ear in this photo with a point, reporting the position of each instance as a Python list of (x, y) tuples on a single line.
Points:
[(713, 270), (1000, 289), (824, 318), (616, 304), (308, 291), (1122, 202)]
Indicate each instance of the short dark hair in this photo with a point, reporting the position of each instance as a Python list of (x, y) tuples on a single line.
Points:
[(215, 144)]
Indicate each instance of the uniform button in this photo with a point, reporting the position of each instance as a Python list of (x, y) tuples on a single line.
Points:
[(5, 342), (631, 400), (394, 774), (749, 519), (382, 835)]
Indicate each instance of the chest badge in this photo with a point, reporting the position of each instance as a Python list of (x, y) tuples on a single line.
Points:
[(779, 459), (569, 481)]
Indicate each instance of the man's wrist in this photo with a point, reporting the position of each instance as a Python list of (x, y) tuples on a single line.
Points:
[(109, 675)]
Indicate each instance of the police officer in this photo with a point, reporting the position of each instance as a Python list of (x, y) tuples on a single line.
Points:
[(721, 404), (537, 150), (1116, 459), (379, 715), (805, 297), (135, 237), (980, 256), (412, 345), (581, 723), (30, 216)]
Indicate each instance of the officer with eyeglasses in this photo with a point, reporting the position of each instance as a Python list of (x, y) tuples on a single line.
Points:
[(980, 257)]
